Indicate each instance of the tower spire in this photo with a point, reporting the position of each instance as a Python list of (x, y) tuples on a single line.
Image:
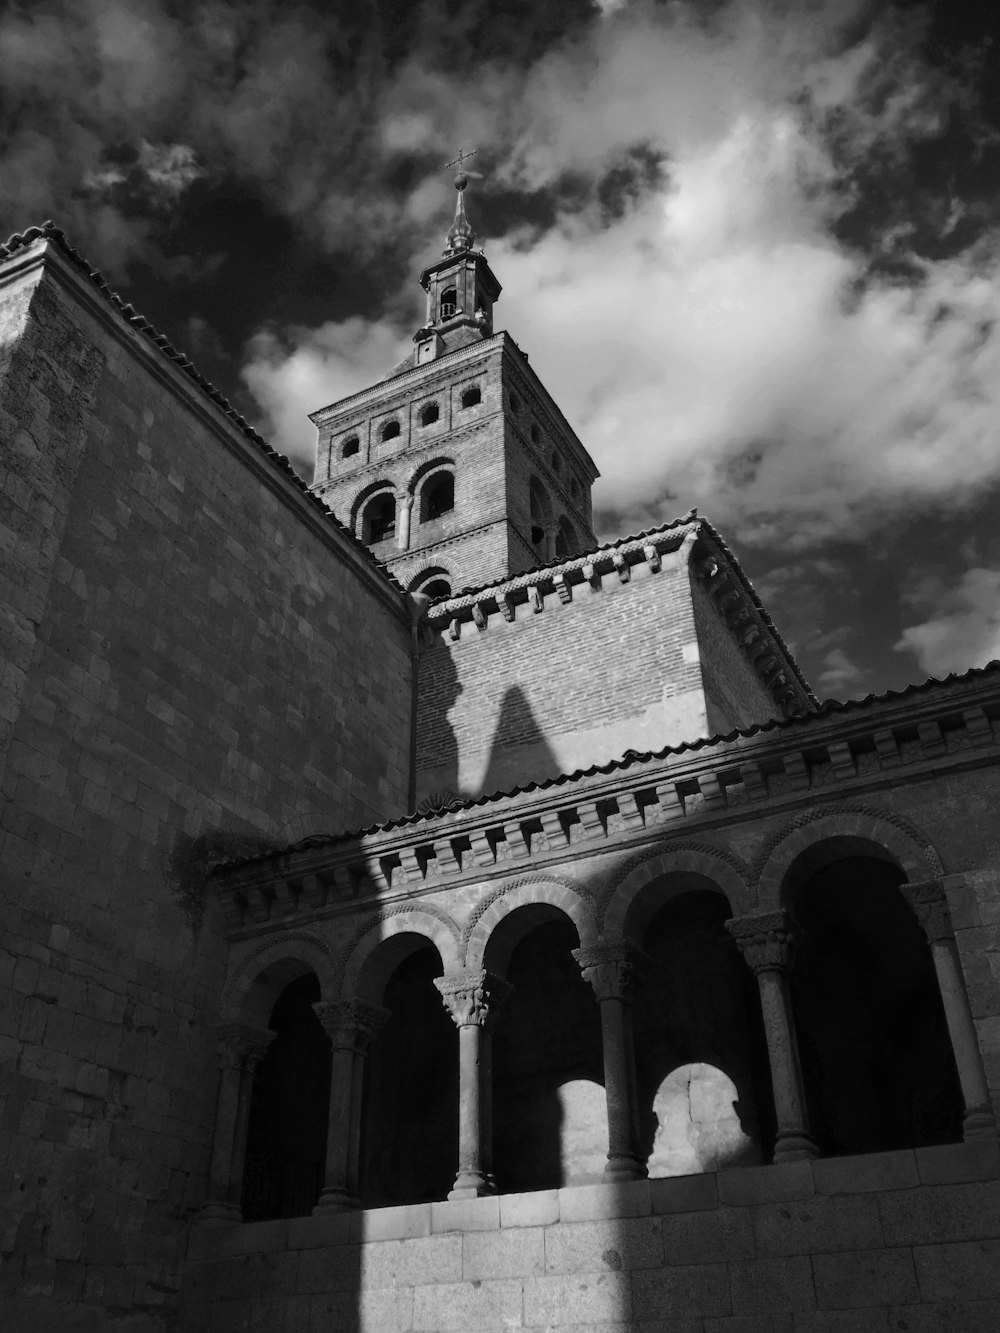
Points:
[(461, 236)]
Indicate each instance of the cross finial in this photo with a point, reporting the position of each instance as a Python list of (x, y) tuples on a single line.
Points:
[(459, 161)]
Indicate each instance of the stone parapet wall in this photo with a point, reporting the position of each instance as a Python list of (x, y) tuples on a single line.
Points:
[(901, 1240)]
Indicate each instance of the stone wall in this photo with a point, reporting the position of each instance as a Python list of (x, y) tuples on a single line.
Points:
[(197, 665), (902, 1240), (735, 696)]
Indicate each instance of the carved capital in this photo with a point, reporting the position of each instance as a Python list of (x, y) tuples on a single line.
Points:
[(242, 1045), (350, 1024), (767, 941), (472, 998), (614, 971), (930, 906)]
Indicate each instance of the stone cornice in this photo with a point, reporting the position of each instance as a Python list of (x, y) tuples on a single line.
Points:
[(835, 755)]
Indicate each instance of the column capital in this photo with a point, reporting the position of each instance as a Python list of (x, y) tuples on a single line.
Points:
[(242, 1044), (766, 941), (930, 906), (350, 1024), (473, 999), (614, 971), (404, 499)]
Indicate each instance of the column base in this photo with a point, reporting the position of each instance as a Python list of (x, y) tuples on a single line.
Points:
[(794, 1146), (471, 1185), (979, 1122), (216, 1212), (624, 1167), (336, 1201)]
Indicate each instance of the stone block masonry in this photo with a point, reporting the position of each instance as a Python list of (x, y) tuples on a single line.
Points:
[(182, 629), (745, 1252)]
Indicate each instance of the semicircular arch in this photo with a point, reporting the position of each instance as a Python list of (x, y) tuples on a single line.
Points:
[(853, 830), (420, 474), (683, 866), (361, 973), (249, 994), (540, 891)]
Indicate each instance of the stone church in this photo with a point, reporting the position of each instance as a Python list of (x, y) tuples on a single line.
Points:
[(418, 915)]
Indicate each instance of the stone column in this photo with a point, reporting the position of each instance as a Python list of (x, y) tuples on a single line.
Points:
[(241, 1049), (473, 1000), (613, 972), (767, 943), (350, 1025), (404, 506), (930, 905)]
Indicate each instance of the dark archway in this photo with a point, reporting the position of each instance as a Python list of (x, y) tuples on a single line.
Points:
[(549, 1108), (701, 1055), (876, 1058), (410, 1111), (378, 520), (437, 496), (289, 1110)]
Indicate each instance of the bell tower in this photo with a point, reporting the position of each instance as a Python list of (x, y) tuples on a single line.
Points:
[(457, 469)]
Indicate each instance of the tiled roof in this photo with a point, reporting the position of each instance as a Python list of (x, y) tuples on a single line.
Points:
[(48, 231)]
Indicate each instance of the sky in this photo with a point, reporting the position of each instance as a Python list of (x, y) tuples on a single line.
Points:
[(751, 247)]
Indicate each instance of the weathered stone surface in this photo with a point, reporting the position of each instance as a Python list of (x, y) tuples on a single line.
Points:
[(864, 1278), (584, 1297), (817, 1225), (517, 1252), (621, 1244)]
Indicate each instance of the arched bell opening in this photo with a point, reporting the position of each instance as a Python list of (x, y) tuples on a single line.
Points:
[(289, 1110), (877, 1062), (549, 1107), (410, 1105), (540, 514), (702, 1069)]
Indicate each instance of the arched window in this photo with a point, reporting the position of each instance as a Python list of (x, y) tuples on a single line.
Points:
[(429, 413), (539, 510), (351, 446), (556, 463), (515, 403), (449, 302), (437, 496), (565, 538), (574, 488), (378, 522), (536, 434), (390, 430), (434, 582), (472, 397)]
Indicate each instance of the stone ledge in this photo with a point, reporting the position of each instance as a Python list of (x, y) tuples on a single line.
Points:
[(741, 1187)]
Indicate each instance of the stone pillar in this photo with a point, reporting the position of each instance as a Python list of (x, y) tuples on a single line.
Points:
[(350, 1024), (930, 905), (767, 943), (241, 1049), (404, 506), (613, 973), (473, 1000)]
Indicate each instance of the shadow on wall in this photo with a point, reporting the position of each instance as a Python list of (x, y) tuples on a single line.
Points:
[(519, 752)]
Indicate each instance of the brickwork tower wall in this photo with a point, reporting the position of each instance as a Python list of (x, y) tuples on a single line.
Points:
[(510, 442), (565, 684), (196, 664)]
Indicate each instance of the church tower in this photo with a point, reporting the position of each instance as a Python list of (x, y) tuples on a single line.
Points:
[(458, 468)]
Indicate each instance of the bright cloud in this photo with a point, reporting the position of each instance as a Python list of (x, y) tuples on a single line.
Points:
[(714, 341), (962, 628)]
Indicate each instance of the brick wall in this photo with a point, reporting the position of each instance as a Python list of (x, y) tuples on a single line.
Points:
[(196, 666), (734, 693), (894, 1241), (572, 686)]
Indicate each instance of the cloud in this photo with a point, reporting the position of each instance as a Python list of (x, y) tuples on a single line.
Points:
[(716, 338), (323, 365), (962, 628), (840, 676)]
